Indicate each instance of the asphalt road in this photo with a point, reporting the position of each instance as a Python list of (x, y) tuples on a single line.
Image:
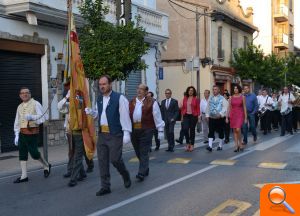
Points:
[(189, 185)]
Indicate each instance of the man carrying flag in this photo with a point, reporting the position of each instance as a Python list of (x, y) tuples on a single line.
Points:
[(81, 125)]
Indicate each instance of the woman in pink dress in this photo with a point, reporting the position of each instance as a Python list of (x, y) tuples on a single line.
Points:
[(237, 116)]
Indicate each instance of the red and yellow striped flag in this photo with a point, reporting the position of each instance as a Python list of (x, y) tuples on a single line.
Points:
[(79, 95)]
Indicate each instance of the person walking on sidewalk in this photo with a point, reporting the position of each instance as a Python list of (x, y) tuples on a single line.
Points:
[(265, 103), (63, 107), (227, 123), (145, 116), (157, 141), (237, 113), (26, 127), (114, 131), (190, 112), (216, 112), (203, 105), (252, 107), (169, 111), (286, 101)]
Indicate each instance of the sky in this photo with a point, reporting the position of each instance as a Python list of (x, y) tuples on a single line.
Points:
[(246, 3)]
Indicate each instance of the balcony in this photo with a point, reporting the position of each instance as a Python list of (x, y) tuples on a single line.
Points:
[(281, 14), (281, 41)]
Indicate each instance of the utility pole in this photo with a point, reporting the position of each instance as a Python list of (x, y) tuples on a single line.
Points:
[(197, 51)]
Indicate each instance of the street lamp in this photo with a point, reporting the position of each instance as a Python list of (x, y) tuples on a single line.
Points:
[(285, 71)]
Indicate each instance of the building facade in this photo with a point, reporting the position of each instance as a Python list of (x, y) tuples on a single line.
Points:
[(223, 27), (32, 39), (275, 20)]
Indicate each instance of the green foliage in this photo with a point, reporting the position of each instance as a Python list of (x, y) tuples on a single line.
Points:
[(269, 70), (107, 48)]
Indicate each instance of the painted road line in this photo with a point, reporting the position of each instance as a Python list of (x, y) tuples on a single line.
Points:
[(238, 208), (162, 187), (148, 193), (179, 161), (257, 213), (135, 159), (223, 162), (272, 165), (270, 143)]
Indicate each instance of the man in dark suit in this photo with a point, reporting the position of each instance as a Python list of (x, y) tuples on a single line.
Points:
[(169, 111)]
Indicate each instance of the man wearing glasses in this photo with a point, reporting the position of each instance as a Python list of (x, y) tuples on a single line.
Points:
[(28, 117)]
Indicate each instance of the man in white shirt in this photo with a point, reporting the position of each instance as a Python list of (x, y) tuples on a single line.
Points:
[(203, 105), (265, 105), (286, 101), (29, 116), (145, 116), (114, 131)]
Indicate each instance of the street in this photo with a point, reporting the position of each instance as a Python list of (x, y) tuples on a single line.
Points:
[(179, 184)]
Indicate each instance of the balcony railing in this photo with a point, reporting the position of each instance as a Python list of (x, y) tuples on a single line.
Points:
[(281, 13), (281, 40)]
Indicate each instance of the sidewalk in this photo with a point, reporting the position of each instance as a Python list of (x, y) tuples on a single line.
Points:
[(57, 155)]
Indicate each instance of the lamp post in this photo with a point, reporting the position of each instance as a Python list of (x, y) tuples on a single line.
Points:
[(285, 71), (197, 51)]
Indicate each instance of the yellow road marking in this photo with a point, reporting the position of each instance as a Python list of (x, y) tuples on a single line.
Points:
[(270, 165), (257, 213), (239, 206), (179, 160), (135, 159), (223, 162)]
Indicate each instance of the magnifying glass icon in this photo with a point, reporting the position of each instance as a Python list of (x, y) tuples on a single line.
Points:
[(277, 196)]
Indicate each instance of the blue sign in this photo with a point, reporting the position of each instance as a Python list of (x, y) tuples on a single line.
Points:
[(160, 73)]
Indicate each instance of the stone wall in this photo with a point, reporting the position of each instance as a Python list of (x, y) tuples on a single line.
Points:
[(56, 133)]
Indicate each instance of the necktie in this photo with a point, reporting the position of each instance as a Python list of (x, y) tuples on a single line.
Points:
[(168, 103)]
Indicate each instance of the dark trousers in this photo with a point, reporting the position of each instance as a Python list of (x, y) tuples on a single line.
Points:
[(189, 125), (181, 134), (77, 166), (275, 118), (265, 121), (216, 125), (256, 120), (296, 117), (251, 121), (28, 143), (286, 123), (227, 130), (157, 141), (141, 141), (89, 163), (169, 130), (109, 150)]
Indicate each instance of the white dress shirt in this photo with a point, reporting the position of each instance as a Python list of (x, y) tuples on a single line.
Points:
[(123, 110), (264, 102), (168, 101), (137, 114), (284, 100), (203, 105), (63, 107)]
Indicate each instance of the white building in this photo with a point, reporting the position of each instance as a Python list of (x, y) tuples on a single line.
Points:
[(32, 34)]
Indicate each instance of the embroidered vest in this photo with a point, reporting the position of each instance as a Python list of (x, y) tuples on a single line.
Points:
[(215, 106), (23, 110)]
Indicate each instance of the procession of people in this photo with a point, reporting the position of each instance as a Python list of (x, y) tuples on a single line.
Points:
[(121, 121)]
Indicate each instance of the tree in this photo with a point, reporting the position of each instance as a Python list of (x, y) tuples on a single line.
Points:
[(107, 48), (293, 69), (248, 63)]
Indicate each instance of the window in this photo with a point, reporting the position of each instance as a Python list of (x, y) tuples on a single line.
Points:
[(234, 41), (220, 50), (246, 41)]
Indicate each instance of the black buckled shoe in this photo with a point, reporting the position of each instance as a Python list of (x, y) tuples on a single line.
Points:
[(47, 172), (209, 149), (140, 177), (19, 180), (72, 183), (103, 192), (219, 148), (89, 169), (67, 175)]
